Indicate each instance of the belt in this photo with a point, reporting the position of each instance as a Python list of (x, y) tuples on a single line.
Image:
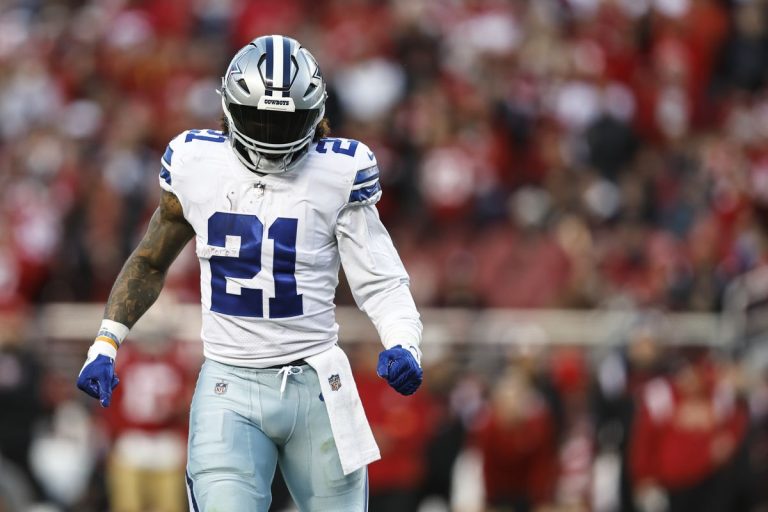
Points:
[(297, 362)]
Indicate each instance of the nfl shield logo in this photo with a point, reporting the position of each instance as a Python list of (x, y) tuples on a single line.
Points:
[(334, 381), (221, 388)]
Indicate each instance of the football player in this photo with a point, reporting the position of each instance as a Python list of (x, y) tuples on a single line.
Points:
[(274, 206)]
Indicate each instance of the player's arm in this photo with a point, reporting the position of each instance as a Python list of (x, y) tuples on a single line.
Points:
[(135, 290), (141, 279), (380, 286)]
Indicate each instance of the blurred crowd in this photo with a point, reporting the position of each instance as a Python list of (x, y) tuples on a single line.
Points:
[(548, 154), (633, 426), (570, 153)]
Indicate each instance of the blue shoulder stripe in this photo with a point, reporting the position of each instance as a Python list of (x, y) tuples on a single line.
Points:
[(168, 155), (165, 175), (367, 174), (365, 193)]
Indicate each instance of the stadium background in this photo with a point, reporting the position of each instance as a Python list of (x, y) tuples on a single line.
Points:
[(578, 188)]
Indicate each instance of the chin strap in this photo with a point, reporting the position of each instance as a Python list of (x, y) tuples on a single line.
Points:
[(253, 160), (273, 166)]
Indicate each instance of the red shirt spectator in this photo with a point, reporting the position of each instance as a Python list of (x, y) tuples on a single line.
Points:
[(153, 394), (401, 426), (684, 431), (518, 446)]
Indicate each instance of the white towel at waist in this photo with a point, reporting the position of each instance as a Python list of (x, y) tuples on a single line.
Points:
[(351, 431)]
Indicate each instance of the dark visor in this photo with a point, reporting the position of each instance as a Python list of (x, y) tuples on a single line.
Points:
[(272, 127)]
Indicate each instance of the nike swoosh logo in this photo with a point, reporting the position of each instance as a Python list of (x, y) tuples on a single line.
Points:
[(370, 155)]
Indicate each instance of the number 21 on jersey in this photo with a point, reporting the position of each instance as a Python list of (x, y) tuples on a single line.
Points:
[(250, 232)]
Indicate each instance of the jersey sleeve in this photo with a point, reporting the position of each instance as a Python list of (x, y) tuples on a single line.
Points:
[(169, 162), (366, 188), (376, 275)]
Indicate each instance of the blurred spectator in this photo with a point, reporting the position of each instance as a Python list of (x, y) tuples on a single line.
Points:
[(449, 428), (685, 438), (15, 490), (402, 427), (620, 379), (64, 454), (147, 424), (21, 395), (518, 446), (744, 56), (570, 376), (759, 437)]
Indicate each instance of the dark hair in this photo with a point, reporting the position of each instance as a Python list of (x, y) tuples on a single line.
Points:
[(323, 128)]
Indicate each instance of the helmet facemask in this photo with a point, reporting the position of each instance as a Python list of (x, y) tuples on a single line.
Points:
[(272, 122)]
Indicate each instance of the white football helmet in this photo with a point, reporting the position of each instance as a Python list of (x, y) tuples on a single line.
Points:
[(273, 96)]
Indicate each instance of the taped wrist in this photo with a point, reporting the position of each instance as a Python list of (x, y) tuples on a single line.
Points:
[(112, 333)]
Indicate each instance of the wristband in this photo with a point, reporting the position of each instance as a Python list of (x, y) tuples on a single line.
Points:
[(112, 332)]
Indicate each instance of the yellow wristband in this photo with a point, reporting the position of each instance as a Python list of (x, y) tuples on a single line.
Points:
[(112, 332), (107, 339)]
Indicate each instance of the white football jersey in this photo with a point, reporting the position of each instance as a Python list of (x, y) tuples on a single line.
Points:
[(270, 247)]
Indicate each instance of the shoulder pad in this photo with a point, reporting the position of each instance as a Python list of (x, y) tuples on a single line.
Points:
[(363, 169), (178, 148), (357, 163)]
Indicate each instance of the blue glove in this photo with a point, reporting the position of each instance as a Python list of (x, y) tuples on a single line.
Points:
[(97, 378), (401, 369)]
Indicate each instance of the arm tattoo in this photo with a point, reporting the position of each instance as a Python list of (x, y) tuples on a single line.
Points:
[(143, 274)]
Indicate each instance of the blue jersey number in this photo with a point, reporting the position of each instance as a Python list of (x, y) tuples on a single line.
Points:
[(286, 302), (336, 147), (206, 135)]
